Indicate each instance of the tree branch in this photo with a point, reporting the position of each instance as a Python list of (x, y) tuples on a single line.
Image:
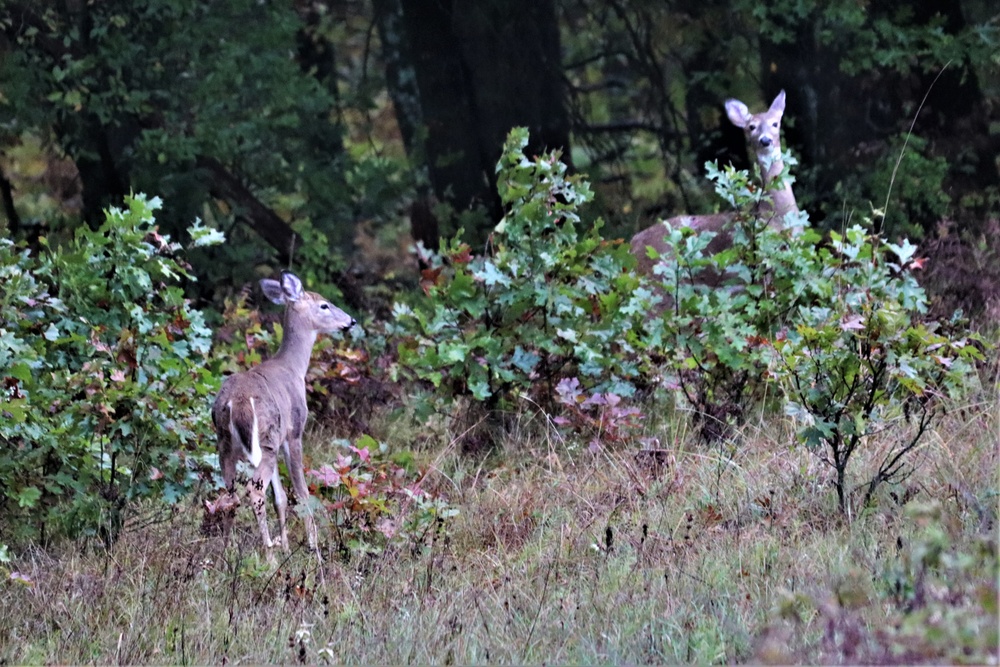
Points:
[(224, 184)]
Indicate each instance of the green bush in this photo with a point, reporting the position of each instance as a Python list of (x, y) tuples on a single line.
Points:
[(544, 303), (713, 339), (106, 382), (861, 355), (838, 327)]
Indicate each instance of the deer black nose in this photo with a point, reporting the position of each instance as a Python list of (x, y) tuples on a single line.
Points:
[(352, 323), (765, 141)]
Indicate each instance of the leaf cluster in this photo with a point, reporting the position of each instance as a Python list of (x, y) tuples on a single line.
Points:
[(376, 499)]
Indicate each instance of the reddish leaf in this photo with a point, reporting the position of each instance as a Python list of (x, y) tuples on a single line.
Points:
[(430, 278), (463, 255)]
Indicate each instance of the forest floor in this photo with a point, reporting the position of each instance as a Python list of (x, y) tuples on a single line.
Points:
[(734, 552)]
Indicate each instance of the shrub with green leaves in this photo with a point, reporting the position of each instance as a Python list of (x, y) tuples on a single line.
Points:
[(839, 328), (860, 360), (105, 378), (711, 338), (545, 302)]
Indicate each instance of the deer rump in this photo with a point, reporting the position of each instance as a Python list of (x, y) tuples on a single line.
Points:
[(253, 421)]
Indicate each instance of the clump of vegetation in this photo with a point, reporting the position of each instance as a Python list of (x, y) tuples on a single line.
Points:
[(105, 369), (839, 330), (581, 558), (546, 302), (376, 499)]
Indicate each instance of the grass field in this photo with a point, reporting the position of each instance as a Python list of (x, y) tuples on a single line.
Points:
[(734, 552)]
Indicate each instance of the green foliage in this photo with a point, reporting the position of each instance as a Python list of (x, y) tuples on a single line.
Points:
[(839, 329), (546, 302), (147, 89), (713, 340), (850, 362), (895, 37), (946, 590), (937, 601), (106, 383), (914, 182)]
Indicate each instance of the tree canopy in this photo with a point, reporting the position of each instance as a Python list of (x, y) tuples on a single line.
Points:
[(298, 125)]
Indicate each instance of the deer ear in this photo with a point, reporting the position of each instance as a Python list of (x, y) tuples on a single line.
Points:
[(291, 286), (272, 290), (778, 105), (738, 113)]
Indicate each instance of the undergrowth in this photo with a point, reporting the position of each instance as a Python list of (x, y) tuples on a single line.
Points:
[(697, 554)]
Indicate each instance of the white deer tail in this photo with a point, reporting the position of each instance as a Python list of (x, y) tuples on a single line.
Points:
[(254, 452), (237, 429)]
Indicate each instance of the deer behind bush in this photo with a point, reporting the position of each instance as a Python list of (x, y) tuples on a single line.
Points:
[(763, 137)]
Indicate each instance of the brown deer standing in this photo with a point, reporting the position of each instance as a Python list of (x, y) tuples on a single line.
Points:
[(262, 411), (762, 132)]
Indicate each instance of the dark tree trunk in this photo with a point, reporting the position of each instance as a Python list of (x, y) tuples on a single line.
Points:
[(401, 78), (7, 195), (712, 137), (480, 67), (401, 75), (830, 115), (104, 173)]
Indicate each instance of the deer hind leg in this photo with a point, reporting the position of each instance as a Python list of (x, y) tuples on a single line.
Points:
[(293, 453), (229, 500), (257, 490), (280, 506)]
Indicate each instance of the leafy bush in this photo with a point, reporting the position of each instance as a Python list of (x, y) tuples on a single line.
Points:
[(105, 378), (849, 365), (712, 339), (544, 303), (602, 417), (839, 329)]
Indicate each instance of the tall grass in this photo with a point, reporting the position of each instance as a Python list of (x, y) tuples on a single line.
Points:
[(726, 553)]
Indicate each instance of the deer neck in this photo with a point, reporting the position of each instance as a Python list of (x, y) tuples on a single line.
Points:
[(779, 197), (296, 346)]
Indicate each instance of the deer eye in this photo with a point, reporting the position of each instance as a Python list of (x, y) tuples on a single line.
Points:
[(324, 306), (753, 126), (774, 125)]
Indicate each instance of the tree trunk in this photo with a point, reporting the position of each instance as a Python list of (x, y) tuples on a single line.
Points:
[(479, 68), (7, 195)]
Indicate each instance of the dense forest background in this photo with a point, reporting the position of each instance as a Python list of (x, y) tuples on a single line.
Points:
[(330, 134)]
